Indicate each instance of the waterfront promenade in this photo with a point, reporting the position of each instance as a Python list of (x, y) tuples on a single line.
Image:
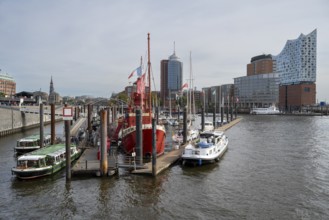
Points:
[(14, 120)]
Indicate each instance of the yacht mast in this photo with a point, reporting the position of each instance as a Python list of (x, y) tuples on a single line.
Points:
[(192, 86), (149, 74)]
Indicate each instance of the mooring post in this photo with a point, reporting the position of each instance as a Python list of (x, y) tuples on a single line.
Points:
[(52, 123), (236, 112), (185, 126), (227, 114), (78, 111), (75, 113), (115, 113), (231, 112), (68, 150), (202, 118), (41, 126), (214, 117), (104, 162), (221, 115), (108, 117), (89, 122), (139, 135), (154, 153)]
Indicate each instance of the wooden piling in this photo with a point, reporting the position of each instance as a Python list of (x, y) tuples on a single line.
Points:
[(52, 123), (214, 117), (236, 112), (222, 115), (139, 135), (231, 113), (227, 114), (89, 120), (185, 126), (68, 150), (41, 126), (202, 118), (154, 154), (103, 160)]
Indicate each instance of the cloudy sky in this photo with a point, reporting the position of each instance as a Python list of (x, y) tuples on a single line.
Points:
[(90, 47)]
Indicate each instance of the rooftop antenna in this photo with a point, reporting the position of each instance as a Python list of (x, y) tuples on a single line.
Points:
[(174, 48)]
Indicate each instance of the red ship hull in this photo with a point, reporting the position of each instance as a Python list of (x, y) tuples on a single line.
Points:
[(129, 140)]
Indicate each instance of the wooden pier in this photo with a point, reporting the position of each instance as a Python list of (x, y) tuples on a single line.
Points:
[(229, 125), (88, 163)]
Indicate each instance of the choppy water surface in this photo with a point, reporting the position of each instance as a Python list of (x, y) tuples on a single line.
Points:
[(276, 168)]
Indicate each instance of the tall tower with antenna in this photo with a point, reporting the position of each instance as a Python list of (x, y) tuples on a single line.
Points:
[(171, 76)]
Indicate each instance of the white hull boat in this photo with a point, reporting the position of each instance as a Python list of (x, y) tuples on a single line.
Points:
[(210, 148), (272, 110)]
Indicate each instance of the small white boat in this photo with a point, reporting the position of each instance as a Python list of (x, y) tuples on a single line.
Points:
[(272, 110), (210, 148), (192, 134)]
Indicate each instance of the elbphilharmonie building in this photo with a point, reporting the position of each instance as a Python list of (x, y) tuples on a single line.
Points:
[(297, 61), (296, 66)]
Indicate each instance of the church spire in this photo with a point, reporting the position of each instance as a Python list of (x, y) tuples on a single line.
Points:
[(51, 90)]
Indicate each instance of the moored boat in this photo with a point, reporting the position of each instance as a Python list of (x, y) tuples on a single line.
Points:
[(192, 134), (208, 126), (272, 110), (43, 162), (141, 99), (31, 143), (210, 148)]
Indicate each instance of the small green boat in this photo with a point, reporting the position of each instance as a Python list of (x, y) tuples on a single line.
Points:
[(43, 162)]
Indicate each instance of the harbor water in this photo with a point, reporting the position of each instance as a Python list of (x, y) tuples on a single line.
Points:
[(276, 167)]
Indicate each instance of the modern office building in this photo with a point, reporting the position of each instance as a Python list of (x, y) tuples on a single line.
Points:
[(296, 65), (7, 85), (261, 90), (171, 77)]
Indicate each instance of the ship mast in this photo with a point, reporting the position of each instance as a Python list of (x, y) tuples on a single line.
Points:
[(149, 74)]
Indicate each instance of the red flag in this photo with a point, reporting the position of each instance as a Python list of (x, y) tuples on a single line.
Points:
[(184, 86), (141, 84)]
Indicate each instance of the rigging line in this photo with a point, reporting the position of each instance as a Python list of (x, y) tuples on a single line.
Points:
[(144, 62), (156, 104), (153, 79)]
